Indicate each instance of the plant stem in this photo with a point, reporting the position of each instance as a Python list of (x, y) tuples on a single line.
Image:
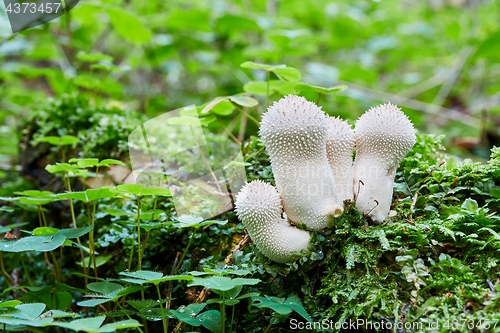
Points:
[(139, 252), (184, 253), (57, 269), (4, 272), (91, 241), (223, 313), (50, 266), (73, 218), (131, 254), (247, 114), (128, 316), (26, 272), (232, 319), (162, 310)]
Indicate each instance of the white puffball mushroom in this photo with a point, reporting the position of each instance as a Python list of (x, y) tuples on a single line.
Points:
[(339, 151), (294, 132), (258, 206), (384, 135)]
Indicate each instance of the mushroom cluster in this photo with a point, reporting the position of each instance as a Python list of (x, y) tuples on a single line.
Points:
[(311, 156)]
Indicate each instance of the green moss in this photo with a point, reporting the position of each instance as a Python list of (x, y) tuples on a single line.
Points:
[(437, 259)]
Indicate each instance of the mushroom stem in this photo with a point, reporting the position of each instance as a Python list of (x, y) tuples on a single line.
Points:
[(384, 135), (258, 206), (339, 150)]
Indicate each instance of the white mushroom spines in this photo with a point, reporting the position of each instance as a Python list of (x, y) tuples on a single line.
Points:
[(295, 127), (294, 132), (339, 150), (384, 135), (258, 206)]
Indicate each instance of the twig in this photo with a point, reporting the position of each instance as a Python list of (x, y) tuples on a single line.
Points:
[(170, 287), (243, 242), (453, 74), (431, 109)]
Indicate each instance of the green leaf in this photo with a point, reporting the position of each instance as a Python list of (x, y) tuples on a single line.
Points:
[(321, 90), (85, 162), (229, 294), (139, 190), (109, 161), (288, 73), (254, 65), (72, 233), (141, 277), (99, 261), (90, 194), (44, 231), (9, 227), (64, 140), (128, 26), (100, 193), (188, 313), (36, 194), (213, 103), (144, 304), (207, 119), (129, 323), (223, 108), (93, 302), (245, 101), (489, 47), (256, 88), (28, 311), (496, 236), (118, 212), (282, 306), (10, 304), (186, 221), (58, 314), (6, 209), (222, 283), (61, 167), (211, 320), (23, 322), (86, 324), (470, 205), (105, 287), (93, 57), (35, 243)]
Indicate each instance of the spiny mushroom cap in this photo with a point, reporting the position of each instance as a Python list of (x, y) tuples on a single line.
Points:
[(384, 135), (293, 127), (339, 150), (258, 205), (294, 132)]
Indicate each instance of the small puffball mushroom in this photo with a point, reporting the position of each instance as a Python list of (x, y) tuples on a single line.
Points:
[(384, 135), (258, 205), (339, 150), (294, 132)]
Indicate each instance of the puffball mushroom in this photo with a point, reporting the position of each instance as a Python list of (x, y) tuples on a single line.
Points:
[(258, 206), (339, 148), (384, 135), (294, 132)]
